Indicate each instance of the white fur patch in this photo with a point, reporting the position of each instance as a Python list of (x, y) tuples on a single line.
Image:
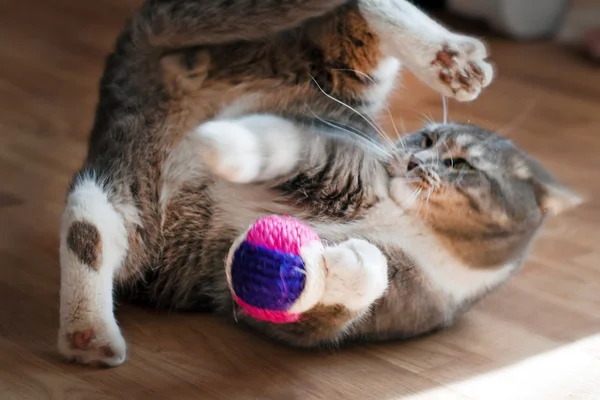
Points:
[(240, 150), (279, 140), (446, 272), (86, 295), (386, 75), (356, 274), (415, 39), (229, 150)]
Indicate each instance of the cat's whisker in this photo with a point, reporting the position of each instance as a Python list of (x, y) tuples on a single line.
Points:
[(385, 150), (409, 180), (394, 125), (460, 177), (402, 126), (235, 317), (427, 201), (421, 202), (387, 138), (419, 209), (436, 177), (352, 130), (513, 125), (387, 107), (427, 119), (431, 179), (412, 198), (444, 109), (365, 138), (371, 123), (391, 145), (400, 142)]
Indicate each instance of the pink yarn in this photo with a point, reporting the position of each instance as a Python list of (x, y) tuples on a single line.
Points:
[(275, 317), (281, 233)]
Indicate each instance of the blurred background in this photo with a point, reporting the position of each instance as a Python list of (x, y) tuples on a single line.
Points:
[(537, 338)]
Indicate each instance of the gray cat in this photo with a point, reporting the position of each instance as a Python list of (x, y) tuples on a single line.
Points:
[(213, 113)]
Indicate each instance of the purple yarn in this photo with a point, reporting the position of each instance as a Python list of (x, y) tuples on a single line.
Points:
[(265, 278)]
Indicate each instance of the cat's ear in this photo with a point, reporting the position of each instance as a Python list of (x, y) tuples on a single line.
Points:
[(557, 199), (552, 196)]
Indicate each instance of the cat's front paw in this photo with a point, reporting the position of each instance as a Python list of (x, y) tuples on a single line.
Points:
[(458, 68), (99, 343), (230, 151), (356, 274)]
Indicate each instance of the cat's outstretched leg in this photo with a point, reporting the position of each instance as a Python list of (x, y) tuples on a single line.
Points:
[(93, 245), (450, 63)]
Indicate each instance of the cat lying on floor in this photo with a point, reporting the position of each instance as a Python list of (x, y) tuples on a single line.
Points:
[(212, 113)]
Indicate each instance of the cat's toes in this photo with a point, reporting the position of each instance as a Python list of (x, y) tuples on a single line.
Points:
[(356, 274), (99, 346), (459, 68), (230, 151)]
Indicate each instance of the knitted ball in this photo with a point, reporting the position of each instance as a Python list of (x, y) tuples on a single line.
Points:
[(268, 276)]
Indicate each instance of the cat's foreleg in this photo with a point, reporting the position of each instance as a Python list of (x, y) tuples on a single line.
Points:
[(93, 245), (356, 277), (252, 148), (452, 64), (356, 274)]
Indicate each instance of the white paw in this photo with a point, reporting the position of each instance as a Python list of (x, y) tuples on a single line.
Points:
[(99, 344), (457, 68), (356, 274), (230, 151)]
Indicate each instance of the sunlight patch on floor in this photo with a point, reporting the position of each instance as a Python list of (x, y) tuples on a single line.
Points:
[(569, 372)]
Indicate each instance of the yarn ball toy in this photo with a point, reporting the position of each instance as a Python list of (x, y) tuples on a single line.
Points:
[(275, 269)]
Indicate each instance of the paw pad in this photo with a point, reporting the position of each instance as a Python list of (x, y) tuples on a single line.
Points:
[(445, 57), (81, 340), (100, 345), (461, 69)]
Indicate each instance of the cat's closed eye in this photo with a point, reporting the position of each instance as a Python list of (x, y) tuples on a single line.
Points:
[(459, 164), (426, 142)]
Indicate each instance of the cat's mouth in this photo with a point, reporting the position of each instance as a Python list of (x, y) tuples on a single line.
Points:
[(420, 176)]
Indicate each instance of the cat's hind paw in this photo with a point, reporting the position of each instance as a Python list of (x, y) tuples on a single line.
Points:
[(100, 345), (458, 68)]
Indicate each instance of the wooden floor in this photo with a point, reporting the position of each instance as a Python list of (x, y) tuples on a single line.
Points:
[(537, 338)]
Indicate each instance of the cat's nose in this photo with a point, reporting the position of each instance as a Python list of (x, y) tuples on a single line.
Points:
[(413, 163)]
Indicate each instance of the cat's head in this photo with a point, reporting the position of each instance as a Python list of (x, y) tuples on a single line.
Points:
[(485, 198)]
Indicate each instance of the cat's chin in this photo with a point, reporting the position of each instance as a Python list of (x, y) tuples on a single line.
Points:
[(408, 195)]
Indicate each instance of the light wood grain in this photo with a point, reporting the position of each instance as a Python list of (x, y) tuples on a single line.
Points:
[(536, 338)]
